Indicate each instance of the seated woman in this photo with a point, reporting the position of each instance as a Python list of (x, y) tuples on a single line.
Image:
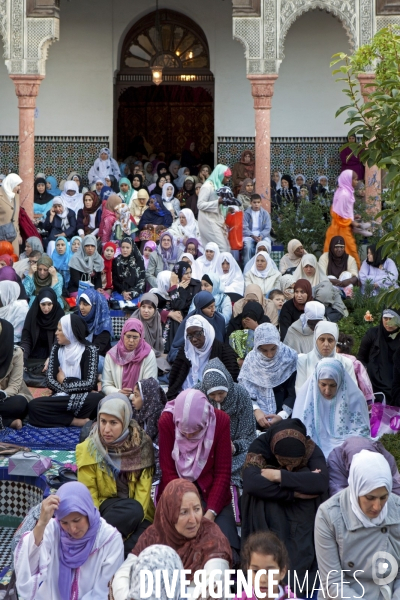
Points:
[(75, 243), (9, 274), (331, 406), (138, 205), (263, 273), (200, 347), (330, 297), (150, 318), (43, 274), (40, 327), (148, 403), (198, 541), (340, 267), (61, 256), (293, 309), (263, 246), (31, 244), (108, 217), (287, 286), (253, 293), (240, 330), (14, 395), (300, 335), (339, 462), (206, 264), (185, 228), (379, 272), (192, 246), (72, 376), (195, 445), (234, 400), (188, 286), (11, 309), (85, 265), (77, 540), (326, 335), (116, 464), (377, 352), (223, 305), (126, 192), (89, 217), (285, 478), (245, 192), (155, 218), (231, 276), (129, 361), (290, 261), (128, 274), (169, 202), (310, 270), (344, 346), (60, 220), (269, 374), (93, 309), (164, 259), (351, 523), (42, 200)]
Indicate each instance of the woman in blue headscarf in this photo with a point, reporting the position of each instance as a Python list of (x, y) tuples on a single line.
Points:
[(61, 256), (52, 186), (93, 309), (155, 214)]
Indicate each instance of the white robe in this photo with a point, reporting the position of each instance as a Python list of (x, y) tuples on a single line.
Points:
[(94, 574), (211, 220), (112, 373)]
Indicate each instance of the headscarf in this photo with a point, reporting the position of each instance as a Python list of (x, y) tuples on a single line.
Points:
[(105, 192), (180, 180), (75, 330), (336, 265), (7, 259), (43, 198), (343, 199), (245, 183), (98, 320), (152, 327), (147, 176), (290, 259), (58, 201), (329, 295), (132, 451), (252, 309), (286, 283), (9, 183), (73, 239), (195, 552), (73, 553), (35, 243), (41, 283), (130, 361), (113, 201), (217, 176), (252, 292), (304, 180), (169, 256), (157, 557), (61, 261), (141, 185), (319, 275), (205, 266), (304, 285), (190, 229), (126, 196), (89, 218), (196, 244), (265, 243), (164, 196), (74, 202), (108, 263), (54, 190), (153, 246), (130, 268), (161, 211), (154, 400), (106, 168), (198, 357), (269, 269), (218, 289), (233, 280), (7, 344), (163, 284), (325, 327), (266, 372), (180, 268), (191, 410), (12, 309), (377, 260), (313, 311), (330, 422), (9, 274), (157, 189), (326, 187), (36, 320), (87, 264)]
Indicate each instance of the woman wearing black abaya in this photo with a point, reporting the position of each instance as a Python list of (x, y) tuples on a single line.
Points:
[(251, 316), (377, 350), (285, 479)]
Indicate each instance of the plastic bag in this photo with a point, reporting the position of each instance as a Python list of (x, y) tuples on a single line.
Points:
[(384, 419)]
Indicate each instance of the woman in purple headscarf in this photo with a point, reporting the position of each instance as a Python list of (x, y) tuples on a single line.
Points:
[(72, 556)]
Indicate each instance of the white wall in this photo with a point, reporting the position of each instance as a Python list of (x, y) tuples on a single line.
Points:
[(306, 95)]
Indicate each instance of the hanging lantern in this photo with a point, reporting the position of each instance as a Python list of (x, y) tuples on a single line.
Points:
[(157, 74)]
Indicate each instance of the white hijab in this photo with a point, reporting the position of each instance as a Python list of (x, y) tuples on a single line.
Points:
[(313, 311), (198, 356), (163, 284), (9, 183), (233, 280), (205, 266), (368, 471), (267, 244), (74, 202), (64, 215), (13, 310), (70, 356), (190, 230), (269, 269), (319, 275)]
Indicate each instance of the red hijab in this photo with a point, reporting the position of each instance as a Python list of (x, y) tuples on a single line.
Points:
[(108, 264), (306, 287)]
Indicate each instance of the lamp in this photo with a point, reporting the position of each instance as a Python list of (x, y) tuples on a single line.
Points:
[(157, 74)]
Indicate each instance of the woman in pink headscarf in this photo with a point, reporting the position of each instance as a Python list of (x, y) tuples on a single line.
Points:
[(195, 444), (131, 360), (342, 213)]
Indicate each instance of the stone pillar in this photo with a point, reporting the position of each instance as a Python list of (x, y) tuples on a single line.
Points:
[(372, 174), (26, 89), (262, 89)]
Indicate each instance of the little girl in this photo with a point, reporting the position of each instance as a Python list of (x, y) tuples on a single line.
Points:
[(265, 551), (124, 225), (149, 247), (109, 253)]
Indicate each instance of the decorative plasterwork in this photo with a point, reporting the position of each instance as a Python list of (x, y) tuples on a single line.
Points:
[(246, 8), (26, 39)]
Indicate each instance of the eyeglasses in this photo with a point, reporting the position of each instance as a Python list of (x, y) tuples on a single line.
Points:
[(33, 262), (196, 335)]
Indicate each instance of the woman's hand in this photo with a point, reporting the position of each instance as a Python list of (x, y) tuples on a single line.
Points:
[(126, 296), (46, 365), (273, 475), (175, 315), (233, 448), (273, 419), (261, 418), (32, 269), (209, 515), (184, 284), (49, 506), (248, 323), (126, 391), (60, 375)]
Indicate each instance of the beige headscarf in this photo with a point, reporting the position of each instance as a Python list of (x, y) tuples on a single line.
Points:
[(290, 260), (319, 275), (253, 293)]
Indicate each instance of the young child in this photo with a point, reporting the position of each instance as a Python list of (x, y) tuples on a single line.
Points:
[(256, 226), (109, 253), (278, 298)]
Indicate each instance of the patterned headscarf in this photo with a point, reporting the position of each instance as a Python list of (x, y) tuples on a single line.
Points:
[(154, 400), (130, 361), (156, 558), (98, 319)]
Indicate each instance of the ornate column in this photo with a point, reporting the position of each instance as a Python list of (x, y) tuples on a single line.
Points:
[(262, 89), (26, 89), (372, 174)]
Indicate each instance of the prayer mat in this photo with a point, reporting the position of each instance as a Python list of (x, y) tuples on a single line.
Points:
[(36, 438)]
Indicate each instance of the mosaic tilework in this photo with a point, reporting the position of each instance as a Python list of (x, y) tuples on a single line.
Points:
[(310, 156), (54, 155), (6, 535)]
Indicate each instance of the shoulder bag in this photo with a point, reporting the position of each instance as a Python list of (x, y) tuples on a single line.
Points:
[(8, 233)]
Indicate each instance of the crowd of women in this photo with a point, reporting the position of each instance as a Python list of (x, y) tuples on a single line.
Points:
[(228, 425)]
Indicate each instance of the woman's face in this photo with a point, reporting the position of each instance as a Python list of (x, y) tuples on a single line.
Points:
[(124, 187), (192, 147), (249, 188), (372, 504), (89, 249), (61, 337), (110, 428), (41, 188), (205, 172), (58, 208), (209, 311), (370, 256), (225, 267), (326, 344), (206, 287), (72, 192), (149, 168), (268, 350), (108, 181), (131, 340), (210, 255), (300, 295), (299, 251), (42, 271), (46, 307), (104, 156), (147, 251), (109, 253), (190, 515), (354, 181), (61, 247), (166, 242), (99, 186), (198, 188), (170, 191), (351, 139), (88, 201), (338, 250), (126, 249), (84, 308), (147, 310), (162, 181), (328, 388), (267, 563), (48, 185), (137, 400), (182, 220), (135, 183), (323, 181), (309, 270), (75, 524), (28, 249), (261, 263), (303, 193), (284, 184), (191, 249), (218, 396), (187, 276), (385, 323), (75, 245), (299, 181), (275, 176), (196, 336)]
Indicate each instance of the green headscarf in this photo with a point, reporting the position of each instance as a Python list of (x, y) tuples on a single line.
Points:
[(41, 283), (126, 196), (217, 176)]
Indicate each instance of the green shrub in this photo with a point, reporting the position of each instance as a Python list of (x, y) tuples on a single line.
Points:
[(391, 442)]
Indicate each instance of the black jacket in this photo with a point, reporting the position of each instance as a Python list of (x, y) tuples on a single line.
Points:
[(55, 228)]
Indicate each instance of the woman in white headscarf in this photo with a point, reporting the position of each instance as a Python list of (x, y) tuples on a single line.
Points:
[(71, 197), (326, 335), (104, 166), (169, 201), (309, 269), (11, 309), (331, 406), (9, 206), (263, 274), (300, 335), (357, 532), (231, 276), (263, 246), (184, 228), (207, 263)]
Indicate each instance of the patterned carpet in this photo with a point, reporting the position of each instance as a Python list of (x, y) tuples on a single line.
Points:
[(58, 438)]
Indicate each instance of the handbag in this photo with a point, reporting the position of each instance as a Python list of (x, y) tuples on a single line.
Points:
[(8, 233), (384, 419), (33, 376), (28, 464)]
